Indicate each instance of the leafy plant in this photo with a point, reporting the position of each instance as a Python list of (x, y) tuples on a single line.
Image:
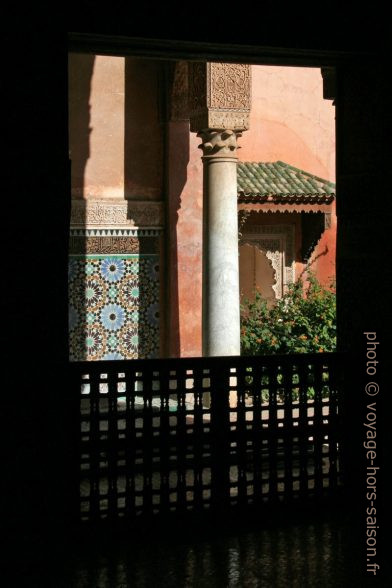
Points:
[(302, 321)]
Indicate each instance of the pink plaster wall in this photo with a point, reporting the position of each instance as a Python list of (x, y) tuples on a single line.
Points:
[(290, 121), (97, 94), (185, 198), (115, 135)]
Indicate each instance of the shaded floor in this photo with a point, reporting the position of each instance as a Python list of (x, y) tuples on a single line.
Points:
[(312, 553)]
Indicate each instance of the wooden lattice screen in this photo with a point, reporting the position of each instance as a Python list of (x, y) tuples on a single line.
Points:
[(178, 435)]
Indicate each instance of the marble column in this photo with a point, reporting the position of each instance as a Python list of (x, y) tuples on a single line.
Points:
[(221, 310), (219, 102)]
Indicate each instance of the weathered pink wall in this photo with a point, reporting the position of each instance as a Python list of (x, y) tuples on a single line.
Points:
[(99, 172), (185, 198), (290, 121)]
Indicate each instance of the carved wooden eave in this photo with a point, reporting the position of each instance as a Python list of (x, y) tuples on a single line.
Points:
[(326, 208), (219, 96)]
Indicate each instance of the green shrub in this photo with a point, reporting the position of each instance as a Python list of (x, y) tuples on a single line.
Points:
[(302, 321)]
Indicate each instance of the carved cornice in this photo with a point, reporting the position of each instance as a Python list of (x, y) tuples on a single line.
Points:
[(112, 213), (219, 143), (219, 96)]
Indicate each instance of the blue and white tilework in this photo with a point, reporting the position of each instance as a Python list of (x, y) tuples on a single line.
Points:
[(113, 306)]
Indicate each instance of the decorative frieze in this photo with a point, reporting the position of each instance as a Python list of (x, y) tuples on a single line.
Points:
[(112, 213), (115, 232), (112, 245), (219, 96), (103, 245)]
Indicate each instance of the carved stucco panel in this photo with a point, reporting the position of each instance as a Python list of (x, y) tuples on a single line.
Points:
[(103, 245), (229, 85), (276, 262), (110, 213), (219, 96)]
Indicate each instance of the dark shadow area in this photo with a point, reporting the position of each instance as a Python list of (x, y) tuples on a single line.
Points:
[(143, 137), (176, 117), (313, 226), (80, 71), (149, 321), (346, 28), (143, 181)]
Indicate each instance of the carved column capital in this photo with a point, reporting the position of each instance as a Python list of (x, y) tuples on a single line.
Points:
[(219, 143)]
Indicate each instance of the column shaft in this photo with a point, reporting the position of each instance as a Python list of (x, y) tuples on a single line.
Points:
[(221, 311)]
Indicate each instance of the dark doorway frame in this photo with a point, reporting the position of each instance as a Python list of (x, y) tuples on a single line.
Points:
[(42, 474)]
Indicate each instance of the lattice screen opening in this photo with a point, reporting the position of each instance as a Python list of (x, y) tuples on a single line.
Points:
[(185, 435)]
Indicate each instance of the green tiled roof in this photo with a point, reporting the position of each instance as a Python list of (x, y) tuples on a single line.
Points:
[(280, 182)]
